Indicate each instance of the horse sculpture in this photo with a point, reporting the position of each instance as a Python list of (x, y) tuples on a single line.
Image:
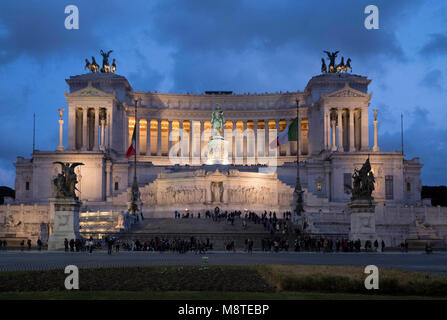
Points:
[(93, 67), (105, 61), (341, 65), (347, 65), (113, 66), (323, 66)]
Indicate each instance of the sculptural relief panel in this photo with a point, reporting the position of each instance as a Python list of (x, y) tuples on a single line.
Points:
[(249, 194), (180, 194)]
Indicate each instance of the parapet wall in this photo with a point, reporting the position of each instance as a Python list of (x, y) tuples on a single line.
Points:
[(26, 221)]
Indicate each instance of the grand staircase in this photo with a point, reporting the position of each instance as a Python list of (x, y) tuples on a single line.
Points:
[(218, 232)]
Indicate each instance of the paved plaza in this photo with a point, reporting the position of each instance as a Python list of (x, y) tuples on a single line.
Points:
[(435, 263)]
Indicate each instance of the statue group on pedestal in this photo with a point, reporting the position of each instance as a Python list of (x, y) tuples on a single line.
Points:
[(106, 67), (363, 183), (66, 181), (333, 68)]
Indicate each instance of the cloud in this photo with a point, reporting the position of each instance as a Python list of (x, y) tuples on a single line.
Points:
[(423, 139), (7, 177), (436, 46), (207, 34), (433, 79)]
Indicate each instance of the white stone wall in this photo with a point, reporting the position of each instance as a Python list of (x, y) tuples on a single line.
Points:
[(28, 221), (91, 176)]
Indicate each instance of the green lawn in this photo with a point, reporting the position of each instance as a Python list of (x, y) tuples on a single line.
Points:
[(222, 282)]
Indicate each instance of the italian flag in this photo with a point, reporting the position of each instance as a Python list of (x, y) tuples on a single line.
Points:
[(289, 134), (132, 148)]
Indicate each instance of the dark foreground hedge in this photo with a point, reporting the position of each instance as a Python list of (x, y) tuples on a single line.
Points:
[(191, 278), (387, 286), (216, 278)]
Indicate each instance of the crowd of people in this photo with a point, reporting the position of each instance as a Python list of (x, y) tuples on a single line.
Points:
[(82, 245), (278, 238), (275, 244), (159, 244), (322, 244), (269, 220)]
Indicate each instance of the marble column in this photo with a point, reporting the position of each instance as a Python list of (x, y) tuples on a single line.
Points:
[(72, 128), (266, 138), (334, 147), (84, 128), (255, 128), (148, 137), (376, 145), (364, 129), (276, 150), (60, 147), (103, 131), (198, 143), (340, 129), (126, 133), (191, 141), (96, 130), (108, 180), (351, 131), (109, 122), (169, 136), (233, 143), (181, 143), (244, 143), (158, 137), (202, 143)]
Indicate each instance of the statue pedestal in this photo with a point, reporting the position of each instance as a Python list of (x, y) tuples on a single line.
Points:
[(217, 151), (363, 221), (66, 222), (138, 216)]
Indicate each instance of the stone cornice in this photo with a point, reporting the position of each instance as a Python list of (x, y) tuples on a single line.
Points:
[(335, 79), (227, 102), (90, 93), (102, 78), (346, 94), (178, 114)]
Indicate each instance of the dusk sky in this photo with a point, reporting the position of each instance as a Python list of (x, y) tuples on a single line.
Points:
[(243, 46)]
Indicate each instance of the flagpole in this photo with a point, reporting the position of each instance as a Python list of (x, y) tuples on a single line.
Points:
[(34, 132), (135, 157), (298, 183), (298, 190), (135, 192)]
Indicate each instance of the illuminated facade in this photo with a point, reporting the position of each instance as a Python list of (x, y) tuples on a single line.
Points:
[(172, 132)]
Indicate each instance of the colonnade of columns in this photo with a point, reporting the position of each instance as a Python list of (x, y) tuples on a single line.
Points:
[(93, 130), (248, 141), (346, 129)]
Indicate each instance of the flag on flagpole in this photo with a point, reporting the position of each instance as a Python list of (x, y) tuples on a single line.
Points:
[(132, 148), (288, 134)]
